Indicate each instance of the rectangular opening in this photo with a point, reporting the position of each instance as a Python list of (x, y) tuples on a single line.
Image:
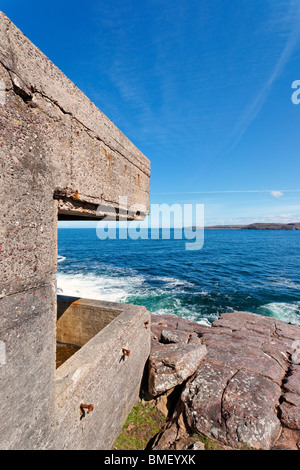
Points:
[(78, 321)]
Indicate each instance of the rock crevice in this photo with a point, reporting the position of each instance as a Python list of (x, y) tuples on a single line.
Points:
[(241, 387)]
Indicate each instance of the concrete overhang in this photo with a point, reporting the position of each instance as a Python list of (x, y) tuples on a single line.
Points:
[(90, 162)]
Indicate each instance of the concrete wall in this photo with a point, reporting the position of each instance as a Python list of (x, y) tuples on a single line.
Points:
[(59, 156), (98, 373)]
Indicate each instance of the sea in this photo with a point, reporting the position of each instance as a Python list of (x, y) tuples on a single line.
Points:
[(236, 270)]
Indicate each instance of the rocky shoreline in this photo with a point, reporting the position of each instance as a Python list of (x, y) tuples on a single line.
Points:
[(259, 226), (236, 382), (254, 226)]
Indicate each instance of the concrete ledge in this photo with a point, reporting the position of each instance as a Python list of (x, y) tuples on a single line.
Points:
[(33, 73), (99, 373), (88, 161)]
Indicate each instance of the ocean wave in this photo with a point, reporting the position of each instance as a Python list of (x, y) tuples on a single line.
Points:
[(288, 312), (159, 298), (96, 287), (172, 281), (61, 259), (118, 284), (286, 283), (186, 313)]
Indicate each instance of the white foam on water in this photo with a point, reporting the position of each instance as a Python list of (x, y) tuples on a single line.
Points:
[(123, 287), (184, 313), (61, 259), (287, 283), (172, 281), (189, 313), (90, 286), (288, 312), (118, 287)]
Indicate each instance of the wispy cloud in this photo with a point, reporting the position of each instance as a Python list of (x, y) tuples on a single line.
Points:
[(290, 22), (277, 194)]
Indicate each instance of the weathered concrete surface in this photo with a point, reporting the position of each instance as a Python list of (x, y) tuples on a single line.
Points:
[(27, 384), (101, 375), (54, 141), (59, 156), (79, 320), (245, 391)]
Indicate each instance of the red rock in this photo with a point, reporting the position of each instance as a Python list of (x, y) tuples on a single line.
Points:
[(241, 355), (287, 330), (202, 398), (236, 390), (229, 406), (239, 321), (288, 440), (249, 409), (175, 336), (292, 398), (171, 364), (292, 382)]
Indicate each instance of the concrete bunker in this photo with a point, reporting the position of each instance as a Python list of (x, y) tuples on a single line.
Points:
[(104, 371), (60, 157)]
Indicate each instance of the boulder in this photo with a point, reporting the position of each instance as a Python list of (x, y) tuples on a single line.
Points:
[(227, 405), (173, 363)]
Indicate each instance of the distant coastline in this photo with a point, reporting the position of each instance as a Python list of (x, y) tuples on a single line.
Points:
[(256, 226)]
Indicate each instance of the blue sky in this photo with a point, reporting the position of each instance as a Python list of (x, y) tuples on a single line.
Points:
[(202, 88)]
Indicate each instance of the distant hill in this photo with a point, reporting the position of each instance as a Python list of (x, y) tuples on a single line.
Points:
[(258, 226)]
